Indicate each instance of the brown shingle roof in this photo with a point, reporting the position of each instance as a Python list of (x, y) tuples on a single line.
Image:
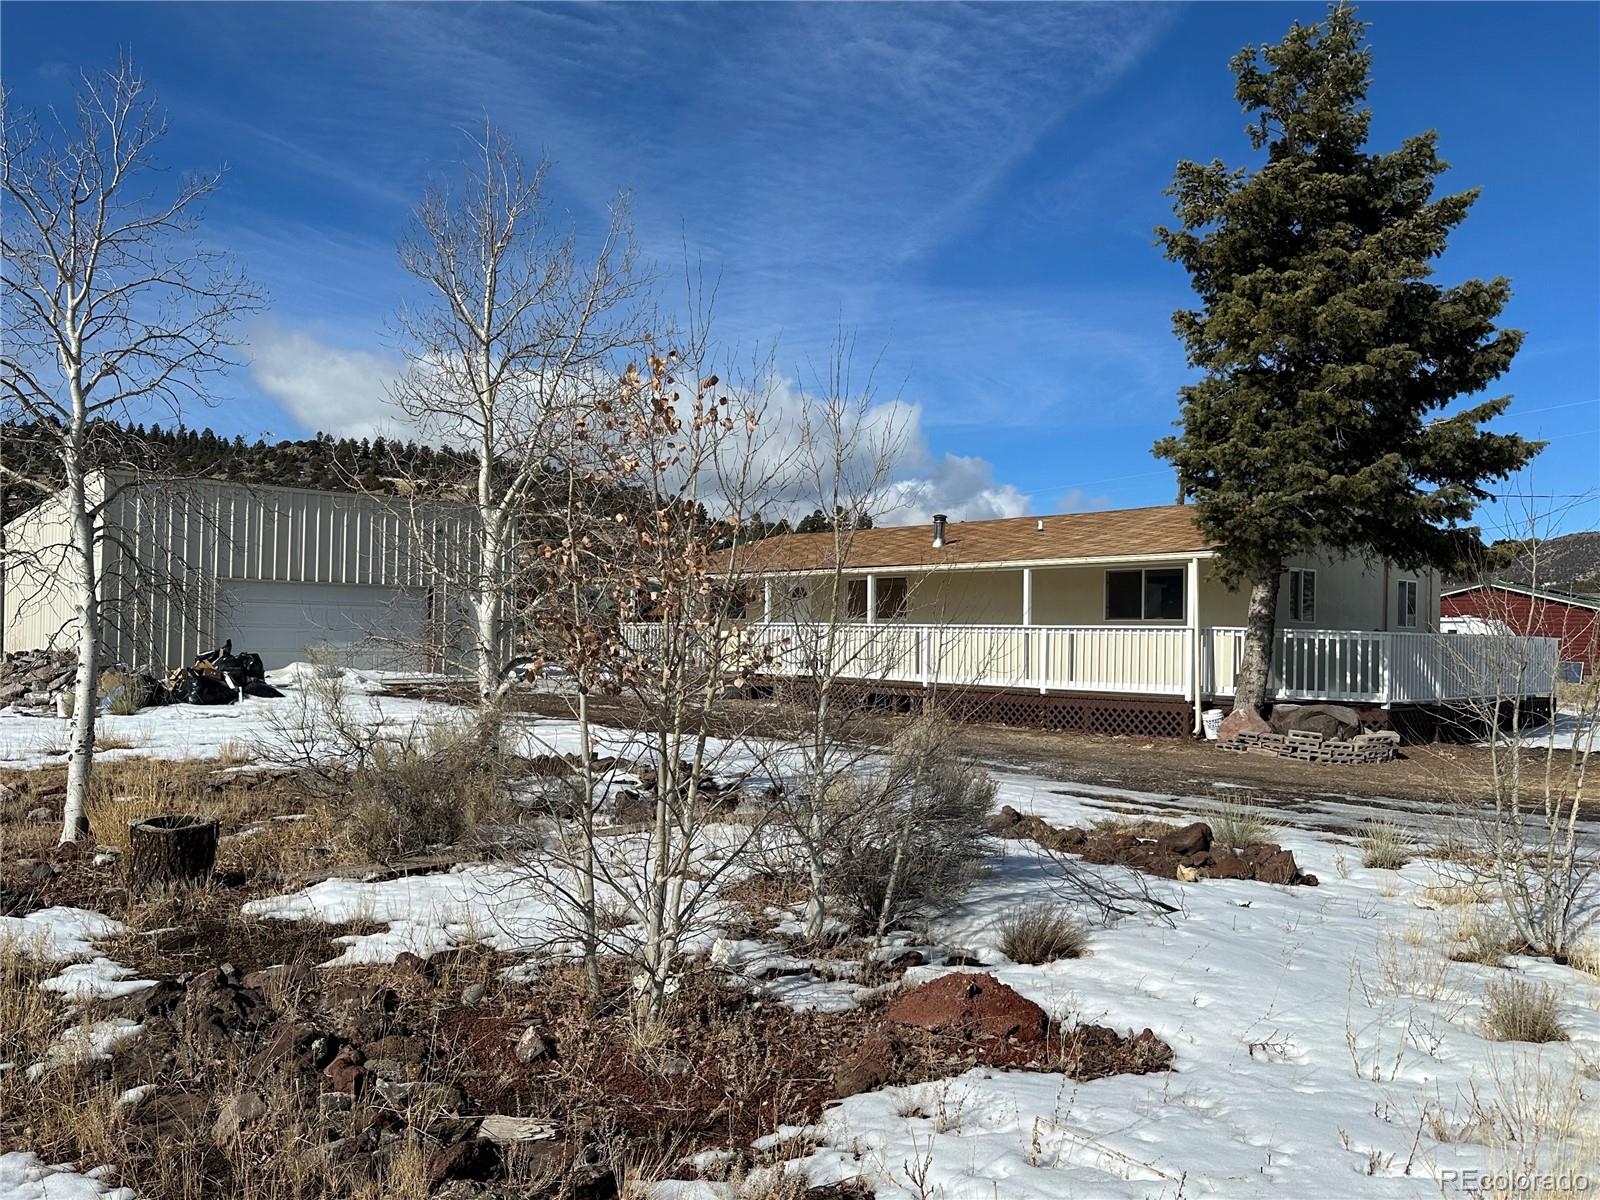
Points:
[(1165, 529)]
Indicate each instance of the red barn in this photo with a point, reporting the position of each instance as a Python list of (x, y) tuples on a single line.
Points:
[(1532, 612)]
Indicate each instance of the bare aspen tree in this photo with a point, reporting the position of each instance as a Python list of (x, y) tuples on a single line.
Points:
[(664, 474), (113, 309), (1524, 829), (512, 322), (848, 445)]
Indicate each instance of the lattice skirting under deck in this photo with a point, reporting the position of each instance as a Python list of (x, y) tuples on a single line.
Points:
[(1130, 716)]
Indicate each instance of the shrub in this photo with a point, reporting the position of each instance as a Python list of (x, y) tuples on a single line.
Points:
[(426, 790), (1519, 1011), (917, 842), (1585, 957), (1387, 845), (1041, 933), (1482, 939), (1239, 825)]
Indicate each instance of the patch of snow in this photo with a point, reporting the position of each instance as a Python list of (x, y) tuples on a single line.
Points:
[(1570, 730), (58, 934), (84, 1044), (100, 979), (1318, 1033), (424, 914), (25, 1176)]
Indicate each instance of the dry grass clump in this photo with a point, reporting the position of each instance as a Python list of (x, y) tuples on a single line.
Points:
[(28, 1019), (1147, 828), (1041, 933), (1386, 845), (1482, 938), (1585, 957), (126, 692), (1237, 825), (1520, 1011), (917, 840), (1455, 892)]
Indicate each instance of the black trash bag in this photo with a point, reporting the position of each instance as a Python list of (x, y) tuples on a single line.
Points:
[(260, 689), (152, 692), (200, 687), (210, 657), (240, 667)]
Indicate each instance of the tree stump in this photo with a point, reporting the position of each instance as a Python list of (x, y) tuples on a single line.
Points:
[(171, 852)]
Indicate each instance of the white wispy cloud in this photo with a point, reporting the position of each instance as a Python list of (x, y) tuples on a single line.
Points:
[(322, 387)]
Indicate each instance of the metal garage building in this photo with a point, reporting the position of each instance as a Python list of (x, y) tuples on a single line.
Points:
[(284, 572)]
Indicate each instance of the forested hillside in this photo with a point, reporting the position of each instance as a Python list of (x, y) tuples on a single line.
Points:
[(324, 461)]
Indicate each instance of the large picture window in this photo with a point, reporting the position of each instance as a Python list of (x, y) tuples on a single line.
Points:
[(1145, 595)]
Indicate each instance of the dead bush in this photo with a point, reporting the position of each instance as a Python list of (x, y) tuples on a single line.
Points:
[(1520, 1011), (428, 790), (1482, 938), (1041, 933), (917, 844)]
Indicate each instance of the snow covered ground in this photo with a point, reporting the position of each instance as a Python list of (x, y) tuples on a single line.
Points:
[(24, 1177), (1325, 1045)]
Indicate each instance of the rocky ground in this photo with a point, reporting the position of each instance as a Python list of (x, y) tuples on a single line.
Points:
[(315, 1024), (244, 1068)]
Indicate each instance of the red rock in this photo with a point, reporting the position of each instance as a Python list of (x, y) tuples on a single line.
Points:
[(1241, 720), (345, 1073), (1191, 839), (970, 1006), (1278, 868), (1227, 866), (871, 1066)]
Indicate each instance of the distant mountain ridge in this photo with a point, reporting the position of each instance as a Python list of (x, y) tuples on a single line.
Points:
[(1569, 563)]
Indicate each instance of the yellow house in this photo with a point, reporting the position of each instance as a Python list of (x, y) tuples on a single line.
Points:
[(1109, 620)]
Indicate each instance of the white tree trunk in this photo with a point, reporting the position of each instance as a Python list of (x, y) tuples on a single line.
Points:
[(80, 748), (490, 602)]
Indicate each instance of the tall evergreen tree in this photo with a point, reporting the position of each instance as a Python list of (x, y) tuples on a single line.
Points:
[(1327, 352)]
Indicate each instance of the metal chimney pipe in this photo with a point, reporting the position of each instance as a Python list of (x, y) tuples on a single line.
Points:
[(939, 520)]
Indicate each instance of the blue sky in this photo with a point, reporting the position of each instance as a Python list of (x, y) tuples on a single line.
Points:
[(972, 190)]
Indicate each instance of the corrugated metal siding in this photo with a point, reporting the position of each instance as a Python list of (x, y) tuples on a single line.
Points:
[(1578, 628), (39, 606), (168, 545)]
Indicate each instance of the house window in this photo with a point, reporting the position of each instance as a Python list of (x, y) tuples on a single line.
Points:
[(891, 597), (1154, 595), (1405, 609), (1302, 594)]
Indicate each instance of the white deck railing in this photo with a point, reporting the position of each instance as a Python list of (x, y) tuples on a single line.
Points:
[(1389, 668), (1308, 664)]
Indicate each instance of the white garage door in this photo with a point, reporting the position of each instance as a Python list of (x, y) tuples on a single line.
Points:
[(355, 626)]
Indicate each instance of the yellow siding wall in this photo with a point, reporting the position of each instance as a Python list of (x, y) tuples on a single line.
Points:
[(1351, 594)]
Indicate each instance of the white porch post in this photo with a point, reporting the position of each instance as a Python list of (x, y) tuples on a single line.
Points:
[(766, 601), (1192, 611), (872, 599), (1031, 662)]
